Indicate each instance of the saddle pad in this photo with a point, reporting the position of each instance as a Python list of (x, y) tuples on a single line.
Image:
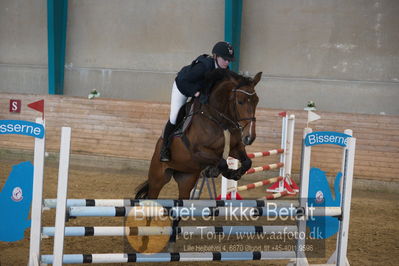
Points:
[(186, 122)]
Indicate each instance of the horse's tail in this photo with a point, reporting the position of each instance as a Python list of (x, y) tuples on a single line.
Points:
[(142, 191)]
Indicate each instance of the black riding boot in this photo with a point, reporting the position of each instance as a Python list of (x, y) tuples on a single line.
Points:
[(165, 151)]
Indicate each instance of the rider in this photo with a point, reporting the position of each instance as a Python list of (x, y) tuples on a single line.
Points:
[(188, 83)]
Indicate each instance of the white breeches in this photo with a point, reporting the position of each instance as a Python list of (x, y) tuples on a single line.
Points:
[(177, 101)]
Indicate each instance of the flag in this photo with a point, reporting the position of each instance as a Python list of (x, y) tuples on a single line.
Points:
[(38, 106), (312, 116)]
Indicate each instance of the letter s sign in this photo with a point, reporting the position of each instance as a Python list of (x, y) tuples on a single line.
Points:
[(15, 106)]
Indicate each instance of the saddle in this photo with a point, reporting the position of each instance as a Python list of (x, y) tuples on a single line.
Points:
[(184, 120), (186, 112)]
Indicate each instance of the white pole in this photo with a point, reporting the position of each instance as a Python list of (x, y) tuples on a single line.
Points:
[(223, 192), (62, 195), (344, 151), (228, 184), (36, 212), (303, 195), (233, 164), (339, 256), (284, 131), (343, 234), (289, 146), (286, 124)]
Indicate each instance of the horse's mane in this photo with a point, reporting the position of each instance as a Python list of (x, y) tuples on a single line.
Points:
[(218, 75), (220, 87)]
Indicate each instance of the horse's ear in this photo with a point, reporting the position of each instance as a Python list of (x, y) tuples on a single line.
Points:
[(257, 78)]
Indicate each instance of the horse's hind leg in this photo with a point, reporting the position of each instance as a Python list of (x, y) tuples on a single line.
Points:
[(158, 177), (185, 183)]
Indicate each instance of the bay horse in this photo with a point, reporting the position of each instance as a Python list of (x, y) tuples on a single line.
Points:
[(231, 106)]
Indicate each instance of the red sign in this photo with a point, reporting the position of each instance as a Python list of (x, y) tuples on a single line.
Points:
[(38, 106), (15, 106)]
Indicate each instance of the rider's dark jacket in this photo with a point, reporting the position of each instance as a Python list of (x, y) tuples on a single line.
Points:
[(191, 78)]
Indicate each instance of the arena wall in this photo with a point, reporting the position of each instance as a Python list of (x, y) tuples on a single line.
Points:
[(130, 129), (342, 54)]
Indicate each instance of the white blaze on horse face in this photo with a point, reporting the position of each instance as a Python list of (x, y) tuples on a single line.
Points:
[(252, 125), (248, 133), (245, 106), (250, 129), (252, 135)]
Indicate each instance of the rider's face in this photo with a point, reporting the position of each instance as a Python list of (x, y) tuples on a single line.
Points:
[(222, 63)]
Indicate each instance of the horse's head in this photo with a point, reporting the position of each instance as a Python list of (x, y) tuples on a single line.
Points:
[(236, 98), (244, 100)]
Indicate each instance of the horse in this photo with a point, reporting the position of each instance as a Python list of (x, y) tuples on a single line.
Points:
[(231, 107)]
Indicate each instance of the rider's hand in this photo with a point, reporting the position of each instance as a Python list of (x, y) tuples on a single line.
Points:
[(197, 94)]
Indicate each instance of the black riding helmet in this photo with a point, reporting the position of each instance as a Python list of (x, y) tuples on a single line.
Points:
[(224, 50)]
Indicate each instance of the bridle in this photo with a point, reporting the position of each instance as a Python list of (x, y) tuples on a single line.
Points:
[(235, 106), (235, 124), (251, 119)]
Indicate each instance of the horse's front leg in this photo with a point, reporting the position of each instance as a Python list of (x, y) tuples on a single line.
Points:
[(211, 162), (246, 164), (214, 171)]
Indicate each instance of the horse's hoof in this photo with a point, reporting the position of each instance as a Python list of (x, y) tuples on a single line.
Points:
[(144, 245), (211, 172), (171, 247), (236, 176)]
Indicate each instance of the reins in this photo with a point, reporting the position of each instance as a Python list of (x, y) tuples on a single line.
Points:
[(235, 124)]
